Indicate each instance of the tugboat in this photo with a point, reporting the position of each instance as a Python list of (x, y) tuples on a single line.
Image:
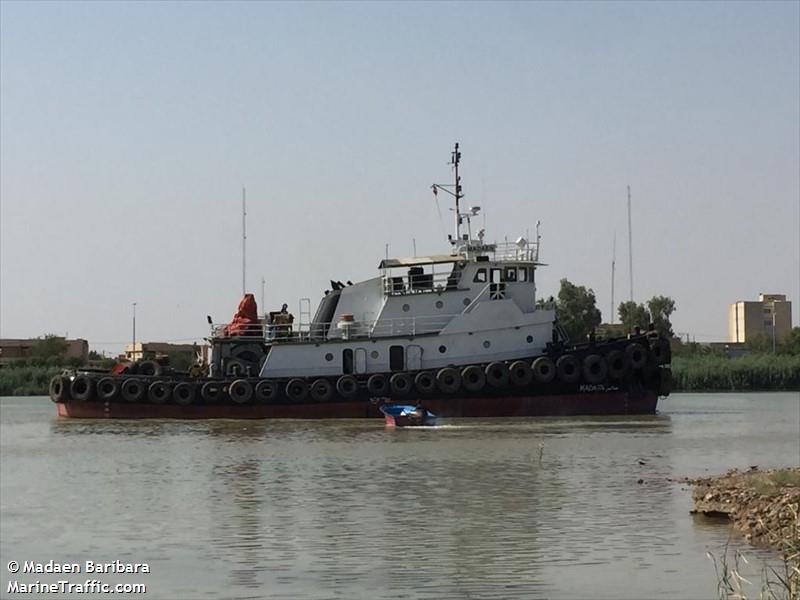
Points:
[(460, 332)]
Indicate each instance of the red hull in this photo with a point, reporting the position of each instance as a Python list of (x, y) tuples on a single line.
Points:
[(603, 403)]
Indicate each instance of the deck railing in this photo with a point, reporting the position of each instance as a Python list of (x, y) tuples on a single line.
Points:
[(321, 332)]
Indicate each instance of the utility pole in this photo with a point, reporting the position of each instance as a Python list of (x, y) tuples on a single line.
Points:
[(630, 243), (244, 236), (263, 283), (133, 347)]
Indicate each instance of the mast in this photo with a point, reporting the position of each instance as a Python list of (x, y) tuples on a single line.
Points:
[(613, 273), (244, 236), (455, 160), (630, 244)]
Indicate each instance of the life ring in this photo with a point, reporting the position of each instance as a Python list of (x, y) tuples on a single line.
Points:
[(473, 378), (159, 392), (321, 390), (401, 384), (520, 373), (377, 385), (347, 386), (211, 391), (107, 389), (82, 388), (149, 368), (617, 364), (297, 390), (544, 370), (637, 355), (241, 391), (568, 368), (133, 390), (662, 351), (59, 389), (448, 380), (497, 374), (266, 391), (184, 393), (425, 382), (594, 368)]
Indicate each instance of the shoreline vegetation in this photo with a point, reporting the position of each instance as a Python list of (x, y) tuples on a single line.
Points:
[(758, 372), (764, 506)]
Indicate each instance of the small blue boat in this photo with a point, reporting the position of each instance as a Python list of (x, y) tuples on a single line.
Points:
[(406, 415)]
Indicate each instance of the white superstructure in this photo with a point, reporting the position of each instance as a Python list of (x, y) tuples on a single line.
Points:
[(474, 305)]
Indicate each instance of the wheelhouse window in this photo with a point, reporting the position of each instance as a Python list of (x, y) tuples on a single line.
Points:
[(511, 274), (522, 275), (480, 276), (497, 275)]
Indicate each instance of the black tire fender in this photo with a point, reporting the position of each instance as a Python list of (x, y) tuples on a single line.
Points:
[(568, 368), (425, 382), (159, 392), (266, 391), (544, 369), (448, 380), (82, 388), (212, 391), (377, 385), (617, 362), (401, 384), (241, 391), (149, 368), (321, 390), (520, 373), (347, 386), (297, 390), (473, 378), (108, 389), (497, 374), (637, 355), (595, 369), (184, 393), (59, 388), (133, 390)]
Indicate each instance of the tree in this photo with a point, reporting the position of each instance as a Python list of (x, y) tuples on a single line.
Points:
[(576, 310), (790, 342), (660, 308), (49, 349), (633, 315)]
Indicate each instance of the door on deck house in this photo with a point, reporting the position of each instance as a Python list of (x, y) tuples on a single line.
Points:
[(413, 357)]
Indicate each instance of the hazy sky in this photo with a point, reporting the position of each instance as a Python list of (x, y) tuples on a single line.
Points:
[(128, 129)]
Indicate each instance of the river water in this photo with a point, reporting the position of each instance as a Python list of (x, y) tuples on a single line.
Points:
[(505, 508)]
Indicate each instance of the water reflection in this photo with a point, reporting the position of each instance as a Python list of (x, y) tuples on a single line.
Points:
[(540, 507)]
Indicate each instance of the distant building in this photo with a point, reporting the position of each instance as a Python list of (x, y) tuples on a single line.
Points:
[(149, 350), (15, 350), (770, 315)]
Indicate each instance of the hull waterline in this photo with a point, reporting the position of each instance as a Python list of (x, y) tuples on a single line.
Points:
[(603, 403)]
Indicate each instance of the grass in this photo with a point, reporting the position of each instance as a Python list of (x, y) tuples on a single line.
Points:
[(755, 372), (26, 381)]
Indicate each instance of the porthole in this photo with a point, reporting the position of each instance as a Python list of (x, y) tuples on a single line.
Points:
[(442, 349), (374, 354), (467, 301), (486, 343), (329, 357), (439, 304), (529, 339), (406, 308)]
